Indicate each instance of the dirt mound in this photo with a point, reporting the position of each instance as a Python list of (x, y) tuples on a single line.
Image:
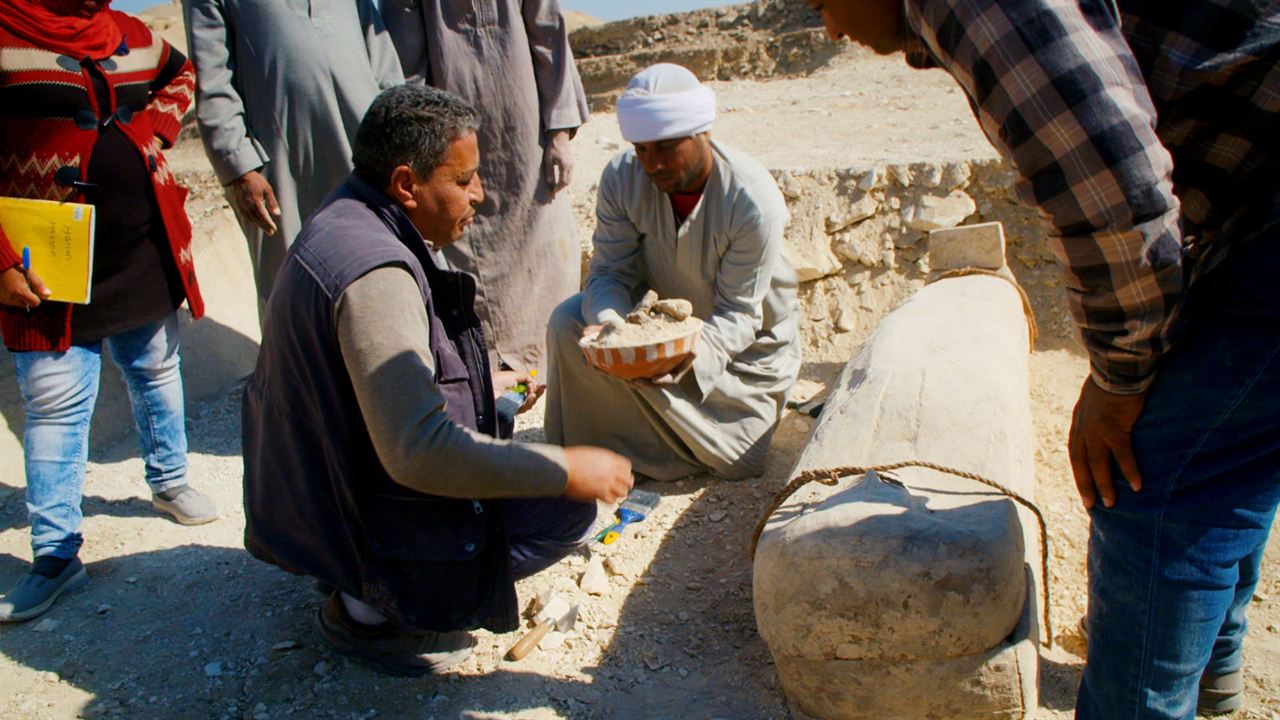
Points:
[(577, 20), (757, 40)]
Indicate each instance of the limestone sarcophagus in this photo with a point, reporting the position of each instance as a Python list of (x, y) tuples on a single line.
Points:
[(916, 600)]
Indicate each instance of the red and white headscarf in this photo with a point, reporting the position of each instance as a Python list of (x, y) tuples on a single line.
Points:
[(44, 24)]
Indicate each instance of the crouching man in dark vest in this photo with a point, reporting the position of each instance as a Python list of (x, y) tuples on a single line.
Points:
[(370, 456)]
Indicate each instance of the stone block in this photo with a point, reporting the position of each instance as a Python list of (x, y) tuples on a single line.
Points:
[(917, 587), (855, 212), (863, 243), (978, 246), (809, 250), (996, 683)]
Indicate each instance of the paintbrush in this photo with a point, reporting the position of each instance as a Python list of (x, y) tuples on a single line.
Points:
[(634, 509)]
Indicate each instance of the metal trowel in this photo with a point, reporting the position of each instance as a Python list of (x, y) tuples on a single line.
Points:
[(557, 613)]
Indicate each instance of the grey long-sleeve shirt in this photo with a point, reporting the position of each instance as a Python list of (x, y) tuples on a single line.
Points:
[(379, 317)]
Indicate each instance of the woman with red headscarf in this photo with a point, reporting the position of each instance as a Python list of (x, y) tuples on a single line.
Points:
[(88, 96)]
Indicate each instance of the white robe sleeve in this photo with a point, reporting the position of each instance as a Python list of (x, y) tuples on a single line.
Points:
[(616, 272), (744, 277)]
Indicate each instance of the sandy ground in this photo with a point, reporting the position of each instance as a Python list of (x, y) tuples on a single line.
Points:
[(181, 622)]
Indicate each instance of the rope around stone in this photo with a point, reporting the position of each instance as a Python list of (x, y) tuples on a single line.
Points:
[(831, 477)]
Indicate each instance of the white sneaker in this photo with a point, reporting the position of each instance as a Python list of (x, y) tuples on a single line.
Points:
[(187, 505)]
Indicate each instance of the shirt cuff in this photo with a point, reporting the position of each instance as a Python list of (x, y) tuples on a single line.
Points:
[(1121, 387), (165, 126), (609, 315), (9, 258), (706, 370), (248, 157)]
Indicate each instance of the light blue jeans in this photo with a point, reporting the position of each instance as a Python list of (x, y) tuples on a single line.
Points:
[(1172, 568), (60, 390)]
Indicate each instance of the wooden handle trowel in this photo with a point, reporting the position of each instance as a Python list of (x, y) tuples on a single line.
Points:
[(557, 613)]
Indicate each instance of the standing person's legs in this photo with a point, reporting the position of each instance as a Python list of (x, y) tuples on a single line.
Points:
[(149, 358), (1222, 684), (59, 391), (1171, 568)]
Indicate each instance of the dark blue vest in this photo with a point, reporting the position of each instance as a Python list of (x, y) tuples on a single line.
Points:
[(317, 500)]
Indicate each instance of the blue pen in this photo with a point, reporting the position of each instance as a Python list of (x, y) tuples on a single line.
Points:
[(26, 262)]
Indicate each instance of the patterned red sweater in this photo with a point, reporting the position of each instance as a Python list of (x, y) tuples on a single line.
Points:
[(47, 134)]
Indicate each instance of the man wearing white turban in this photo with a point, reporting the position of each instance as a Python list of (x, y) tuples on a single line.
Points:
[(688, 218)]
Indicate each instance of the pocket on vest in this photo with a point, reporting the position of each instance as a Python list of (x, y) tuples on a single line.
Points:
[(424, 528), (449, 367)]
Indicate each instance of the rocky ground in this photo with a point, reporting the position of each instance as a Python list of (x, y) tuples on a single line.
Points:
[(181, 622)]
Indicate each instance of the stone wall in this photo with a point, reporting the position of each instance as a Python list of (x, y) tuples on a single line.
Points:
[(857, 240), (756, 40)]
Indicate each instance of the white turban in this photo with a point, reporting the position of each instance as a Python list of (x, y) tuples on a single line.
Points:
[(665, 101)]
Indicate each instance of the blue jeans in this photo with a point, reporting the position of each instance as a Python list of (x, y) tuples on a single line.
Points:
[(60, 389), (1172, 568)]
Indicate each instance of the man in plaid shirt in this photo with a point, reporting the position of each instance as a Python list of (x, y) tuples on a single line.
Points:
[(1147, 133)]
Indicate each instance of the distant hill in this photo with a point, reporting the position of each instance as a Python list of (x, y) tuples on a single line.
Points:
[(575, 19), (167, 20), (760, 39)]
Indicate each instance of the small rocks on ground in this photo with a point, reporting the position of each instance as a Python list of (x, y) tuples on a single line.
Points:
[(594, 581)]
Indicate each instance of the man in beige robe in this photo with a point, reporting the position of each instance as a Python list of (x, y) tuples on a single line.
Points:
[(688, 218), (511, 60)]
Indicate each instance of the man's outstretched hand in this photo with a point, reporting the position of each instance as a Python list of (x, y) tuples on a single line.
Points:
[(597, 474), (1100, 429)]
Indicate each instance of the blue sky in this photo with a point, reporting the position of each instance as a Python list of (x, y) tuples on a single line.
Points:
[(603, 9)]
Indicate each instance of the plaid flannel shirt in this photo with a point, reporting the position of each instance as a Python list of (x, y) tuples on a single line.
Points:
[(1069, 91)]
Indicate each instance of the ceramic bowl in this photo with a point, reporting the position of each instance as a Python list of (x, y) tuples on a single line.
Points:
[(642, 361)]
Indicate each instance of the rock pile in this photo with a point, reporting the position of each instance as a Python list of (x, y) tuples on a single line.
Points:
[(755, 40)]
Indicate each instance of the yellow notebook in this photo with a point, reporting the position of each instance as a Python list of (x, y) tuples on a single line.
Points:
[(59, 236)]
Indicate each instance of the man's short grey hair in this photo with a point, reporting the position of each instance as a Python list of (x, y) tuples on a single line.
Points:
[(409, 125)]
